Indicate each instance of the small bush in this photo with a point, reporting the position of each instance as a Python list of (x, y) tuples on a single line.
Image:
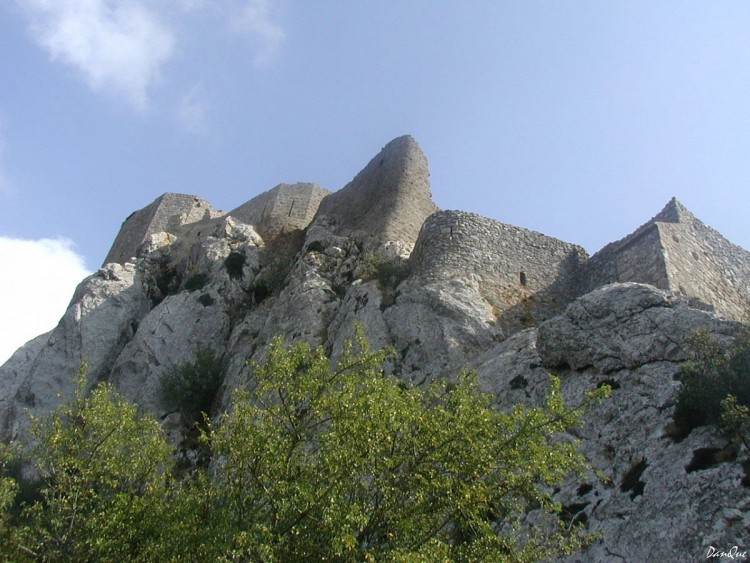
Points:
[(234, 263), (191, 387), (315, 246), (389, 273), (710, 376), (206, 300), (271, 280), (195, 282)]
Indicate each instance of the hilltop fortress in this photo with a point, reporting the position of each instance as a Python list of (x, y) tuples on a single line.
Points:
[(526, 276)]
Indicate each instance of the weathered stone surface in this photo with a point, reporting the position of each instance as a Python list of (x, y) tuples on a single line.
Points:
[(651, 506), (621, 326), (388, 200), (169, 335), (525, 276), (676, 251), (284, 208), (99, 322), (165, 213)]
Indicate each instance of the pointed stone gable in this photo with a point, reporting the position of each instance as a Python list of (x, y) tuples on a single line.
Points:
[(165, 212), (676, 251), (388, 200)]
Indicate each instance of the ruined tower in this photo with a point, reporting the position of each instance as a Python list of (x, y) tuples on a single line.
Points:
[(165, 212), (388, 200)]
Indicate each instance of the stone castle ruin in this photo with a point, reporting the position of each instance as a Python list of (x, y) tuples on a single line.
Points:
[(524, 275)]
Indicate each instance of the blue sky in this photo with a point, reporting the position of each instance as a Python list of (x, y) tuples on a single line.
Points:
[(579, 119)]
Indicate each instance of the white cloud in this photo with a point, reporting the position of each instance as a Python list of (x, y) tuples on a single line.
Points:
[(192, 110), (254, 20), (119, 46), (37, 283)]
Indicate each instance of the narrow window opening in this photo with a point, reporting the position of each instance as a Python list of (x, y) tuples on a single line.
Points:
[(522, 278)]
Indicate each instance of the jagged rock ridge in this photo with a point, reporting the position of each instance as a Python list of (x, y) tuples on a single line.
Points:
[(510, 302)]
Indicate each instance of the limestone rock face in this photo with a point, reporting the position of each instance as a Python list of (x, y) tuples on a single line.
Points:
[(388, 200), (621, 326), (101, 319), (658, 502), (471, 295)]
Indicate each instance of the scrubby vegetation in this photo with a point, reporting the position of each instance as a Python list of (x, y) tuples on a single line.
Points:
[(713, 374), (191, 387), (196, 281), (234, 263), (314, 461)]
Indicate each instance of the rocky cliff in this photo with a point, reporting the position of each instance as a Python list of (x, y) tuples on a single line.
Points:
[(510, 310)]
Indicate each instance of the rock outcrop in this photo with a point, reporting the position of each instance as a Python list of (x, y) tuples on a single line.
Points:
[(655, 499), (500, 299)]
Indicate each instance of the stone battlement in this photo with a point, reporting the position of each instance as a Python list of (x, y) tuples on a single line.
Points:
[(388, 200), (165, 213), (676, 251)]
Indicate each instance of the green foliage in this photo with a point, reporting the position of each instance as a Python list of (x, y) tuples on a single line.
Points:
[(347, 464), (271, 280), (195, 282), (206, 300), (711, 374), (164, 280), (191, 387), (315, 246), (234, 263), (105, 488), (735, 420), (314, 462), (389, 273)]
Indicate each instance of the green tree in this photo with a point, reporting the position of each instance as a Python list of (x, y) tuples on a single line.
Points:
[(313, 462), (105, 482), (344, 463)]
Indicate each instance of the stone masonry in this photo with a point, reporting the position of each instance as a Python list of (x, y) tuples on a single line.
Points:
[(676, 251), (526, 276), (388, 200), (285, 207), (165, 213)]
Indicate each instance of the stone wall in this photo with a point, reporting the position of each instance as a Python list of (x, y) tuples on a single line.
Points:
[(636, 258), (286, 207), (388, 200), (676, 251), (701, 263), (526, 276), (165, 213)]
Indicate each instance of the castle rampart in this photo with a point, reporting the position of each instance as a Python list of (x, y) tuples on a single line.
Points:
[(525, 275)]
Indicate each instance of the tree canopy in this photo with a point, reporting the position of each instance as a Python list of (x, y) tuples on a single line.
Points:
[(312, 461)]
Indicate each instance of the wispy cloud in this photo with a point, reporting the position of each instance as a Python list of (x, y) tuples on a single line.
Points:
[(255, 20), (33, 304), (192, 111), (118, 46)]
